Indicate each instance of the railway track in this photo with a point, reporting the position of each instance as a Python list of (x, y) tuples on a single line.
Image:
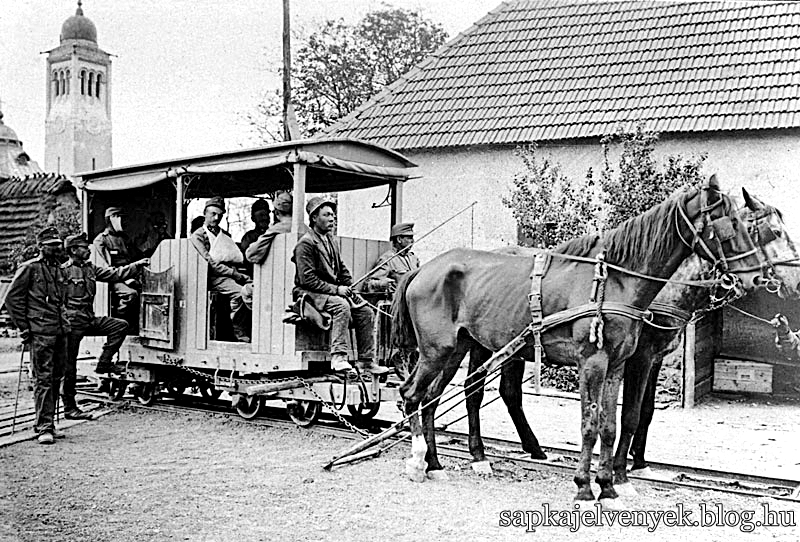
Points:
[(454, 445)]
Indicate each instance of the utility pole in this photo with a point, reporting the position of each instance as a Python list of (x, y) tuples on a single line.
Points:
[(290, 128)]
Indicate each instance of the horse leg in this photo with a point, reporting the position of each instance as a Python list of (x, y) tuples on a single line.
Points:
[(413, 391), (434, 468), (608, 432), (474, 387), (511, 392), (637, 369), (647, 409), (592, 373)]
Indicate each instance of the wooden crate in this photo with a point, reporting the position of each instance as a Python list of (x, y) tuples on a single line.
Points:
[(746, 376)]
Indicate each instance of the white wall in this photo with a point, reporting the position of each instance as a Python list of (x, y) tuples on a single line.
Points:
[(766, 163)]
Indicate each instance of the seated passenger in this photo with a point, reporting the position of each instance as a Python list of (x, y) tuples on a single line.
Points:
[(322, 274), (259, 249), (218, 249), (259, 213), (395, 262), (114, 248), (156, 231)]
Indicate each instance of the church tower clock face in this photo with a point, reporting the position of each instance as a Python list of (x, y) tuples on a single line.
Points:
[(78, 122)]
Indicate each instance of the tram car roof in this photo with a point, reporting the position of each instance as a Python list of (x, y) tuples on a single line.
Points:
[(332, 165)]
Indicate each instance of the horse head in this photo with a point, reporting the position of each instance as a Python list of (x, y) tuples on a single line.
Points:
[(779, 262), (719, 236)]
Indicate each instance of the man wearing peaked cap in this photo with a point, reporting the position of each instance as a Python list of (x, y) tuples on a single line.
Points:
[(395, 262), (35, 303), (282, 209), (217, 202), (82, 277), (324, 277), (260, 215), (115, 249)]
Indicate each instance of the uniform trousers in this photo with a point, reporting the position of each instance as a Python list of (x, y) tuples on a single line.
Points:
[(48, 357)]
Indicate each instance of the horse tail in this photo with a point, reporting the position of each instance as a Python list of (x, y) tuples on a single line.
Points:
[(403, 335)]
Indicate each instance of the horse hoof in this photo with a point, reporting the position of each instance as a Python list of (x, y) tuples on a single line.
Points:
[(438, 475), (625, 490), (612, 504), (482, 467), (414, 472), (646, 472), (539, 455)]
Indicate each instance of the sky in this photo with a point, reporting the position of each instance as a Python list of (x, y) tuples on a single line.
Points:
[(184, 72)]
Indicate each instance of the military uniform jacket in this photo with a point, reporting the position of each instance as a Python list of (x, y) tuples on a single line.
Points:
[(320, 268), (36, 299), (259, 249), (392, 268), (114, 248), (81, 286)]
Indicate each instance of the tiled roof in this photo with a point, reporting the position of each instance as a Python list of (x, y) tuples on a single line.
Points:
[(23, 201), (549, 70)]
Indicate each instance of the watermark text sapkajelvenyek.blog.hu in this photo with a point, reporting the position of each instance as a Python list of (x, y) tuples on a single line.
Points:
[(706, 515)]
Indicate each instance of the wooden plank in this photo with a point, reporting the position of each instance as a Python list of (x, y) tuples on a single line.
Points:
[(288, 285), (373, 253), (183, 314), (689, 378), (277, 257), (359, 258), (255, 317), (346, 250), (744, 376)]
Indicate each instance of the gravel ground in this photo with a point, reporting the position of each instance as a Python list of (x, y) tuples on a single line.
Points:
[(144, 476)]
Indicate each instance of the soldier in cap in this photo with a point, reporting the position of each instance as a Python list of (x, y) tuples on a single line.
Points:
[(82, 277), (395, 262), (115, 249), (157, 230), (216, 246), (321, 273), (36, 303), (259, 213), (257, 252)]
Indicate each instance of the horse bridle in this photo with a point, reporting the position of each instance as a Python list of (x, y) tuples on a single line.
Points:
[(762, 234)]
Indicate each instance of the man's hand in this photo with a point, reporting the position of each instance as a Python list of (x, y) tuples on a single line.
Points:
[(344, 291), (25, 335), (781, 325), (241, 278), (144, 262)]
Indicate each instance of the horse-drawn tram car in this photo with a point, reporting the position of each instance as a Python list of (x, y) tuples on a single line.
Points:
[(181, 340)]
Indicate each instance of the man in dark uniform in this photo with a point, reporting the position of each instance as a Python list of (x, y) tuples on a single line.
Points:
[(322, 274), (36, 303), (115, 249), (259, 213), (82, 277), (259, 249), (223, 277), (395, 262)]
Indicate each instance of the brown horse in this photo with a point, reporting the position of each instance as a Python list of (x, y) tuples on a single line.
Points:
[(641, 370), (467, 297)]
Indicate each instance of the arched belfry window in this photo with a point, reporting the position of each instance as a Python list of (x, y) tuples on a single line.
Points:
[(83, 82), (55, 83), (62, 82), (91, 83), (68, 77), (97, 85)]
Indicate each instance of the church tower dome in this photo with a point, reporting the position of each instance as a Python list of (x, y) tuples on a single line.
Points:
[(79, 27)]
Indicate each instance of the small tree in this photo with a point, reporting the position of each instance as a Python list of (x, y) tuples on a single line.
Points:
[(549, 208), (639, 182)]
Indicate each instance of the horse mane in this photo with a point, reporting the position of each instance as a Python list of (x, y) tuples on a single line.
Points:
[(580, 246), (647, 236)]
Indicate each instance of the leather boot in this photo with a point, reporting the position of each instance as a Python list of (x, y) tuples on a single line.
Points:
[(369, 366)]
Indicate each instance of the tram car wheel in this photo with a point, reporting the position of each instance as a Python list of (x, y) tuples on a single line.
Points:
[(304, 413), (248, 406), (147, 393), (208, 391), (116, 389)]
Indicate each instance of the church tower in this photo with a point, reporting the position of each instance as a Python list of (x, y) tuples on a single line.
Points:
[(78, 122)]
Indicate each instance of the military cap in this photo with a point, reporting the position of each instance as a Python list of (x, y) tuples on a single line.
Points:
[(316, 202), (77, 240), (216, 201), (403, 228), (283, 202), (259, 205), (48, 236), (114, 211)]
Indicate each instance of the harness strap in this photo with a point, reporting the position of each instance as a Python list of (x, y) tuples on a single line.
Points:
[(540, 262)]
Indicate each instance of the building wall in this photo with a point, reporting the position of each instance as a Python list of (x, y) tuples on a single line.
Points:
[(765, 162)]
